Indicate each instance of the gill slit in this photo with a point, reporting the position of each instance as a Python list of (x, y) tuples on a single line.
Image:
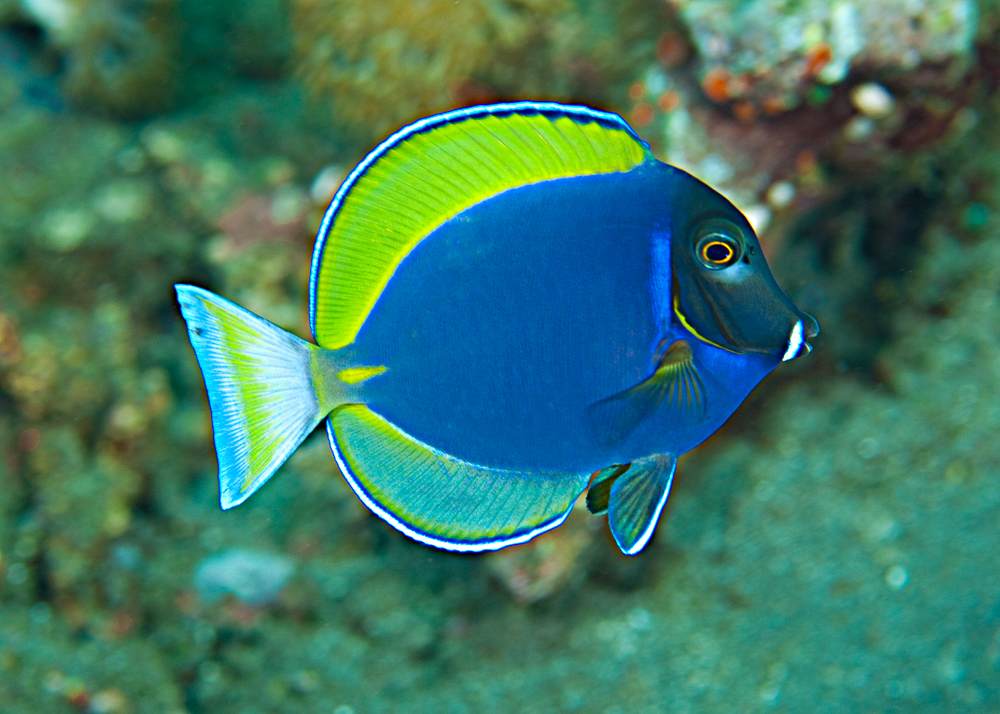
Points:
[(687, 326)]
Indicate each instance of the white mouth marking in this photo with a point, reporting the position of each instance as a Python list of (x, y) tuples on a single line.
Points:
[(794, 342)]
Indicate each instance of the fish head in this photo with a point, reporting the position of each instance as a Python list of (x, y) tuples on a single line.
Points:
[(724, 292)]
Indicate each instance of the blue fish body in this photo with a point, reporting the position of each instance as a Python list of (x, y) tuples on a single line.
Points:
[(512, 304), (509, 320)]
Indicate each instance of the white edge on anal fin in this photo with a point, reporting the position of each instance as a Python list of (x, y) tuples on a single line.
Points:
[(395, 522)]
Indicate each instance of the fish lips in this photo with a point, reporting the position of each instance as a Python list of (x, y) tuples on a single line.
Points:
[(798, 339)]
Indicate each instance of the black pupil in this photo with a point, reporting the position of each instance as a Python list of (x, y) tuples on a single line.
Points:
[(718, 252)]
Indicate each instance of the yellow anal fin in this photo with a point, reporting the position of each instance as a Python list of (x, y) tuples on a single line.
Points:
[(675, 384), (356, 375), (438, 499)]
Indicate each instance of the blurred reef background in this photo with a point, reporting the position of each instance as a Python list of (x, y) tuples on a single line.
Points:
[(832, 549)]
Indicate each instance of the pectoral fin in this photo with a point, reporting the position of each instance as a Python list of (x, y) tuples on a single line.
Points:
[(599, 493), (675, 384), (637, 497)]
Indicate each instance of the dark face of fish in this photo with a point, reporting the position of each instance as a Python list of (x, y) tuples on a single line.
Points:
[(723, 289)]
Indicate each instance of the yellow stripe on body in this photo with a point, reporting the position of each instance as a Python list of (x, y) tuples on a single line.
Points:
[(432, 176), (355, 375)]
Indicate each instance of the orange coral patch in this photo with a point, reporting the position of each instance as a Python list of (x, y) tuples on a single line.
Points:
[(642, 114), (816, 59), (669, 101), (672, 49), (716, 84)]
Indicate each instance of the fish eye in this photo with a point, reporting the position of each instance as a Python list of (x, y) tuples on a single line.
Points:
[(717, 252), (719, 244)]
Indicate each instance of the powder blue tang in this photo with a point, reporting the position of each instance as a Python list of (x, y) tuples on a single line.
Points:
[(511, 304)]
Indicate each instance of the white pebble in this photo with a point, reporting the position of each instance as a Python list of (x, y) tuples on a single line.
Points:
[(896, 577), (868, 448), (163, 145), (790, 35), (17, 574), (715, 170), (963, 11), (253, 576), (910, 59), (758, 216), (872, 99), (108, 701), (846, 40), (965, 120), (639, 619), (124, 201), (656, 82), (40, 613), (835, 71), (58, 17), (769, 693), (781, 194), (54, 682), (859, 128), (326, 183), (64, 229), (288, 204)]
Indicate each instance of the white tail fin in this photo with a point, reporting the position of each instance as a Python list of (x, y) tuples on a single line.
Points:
[(260, 389)]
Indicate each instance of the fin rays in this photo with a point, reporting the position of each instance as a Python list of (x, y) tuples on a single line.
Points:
[(438, 499), (637, 498), (675, 384), (260, 389), (432, 170)]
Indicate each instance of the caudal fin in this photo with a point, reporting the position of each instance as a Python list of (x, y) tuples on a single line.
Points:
[(260, 388)]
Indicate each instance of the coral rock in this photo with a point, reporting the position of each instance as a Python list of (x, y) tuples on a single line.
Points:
[(386, 63), (781, 47), (120, 56)]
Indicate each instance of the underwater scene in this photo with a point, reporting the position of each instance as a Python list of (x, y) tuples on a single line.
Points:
[(831, 546)]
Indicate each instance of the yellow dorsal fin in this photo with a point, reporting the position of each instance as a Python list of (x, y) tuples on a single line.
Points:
[(432, 170)]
